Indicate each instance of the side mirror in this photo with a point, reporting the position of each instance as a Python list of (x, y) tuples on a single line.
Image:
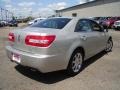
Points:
[(105, 30)]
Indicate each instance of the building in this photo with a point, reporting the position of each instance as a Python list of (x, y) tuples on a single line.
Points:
[(95, 8)]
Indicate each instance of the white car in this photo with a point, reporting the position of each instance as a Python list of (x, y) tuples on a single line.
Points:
[(117, 25), (4, 23), (35, 20)]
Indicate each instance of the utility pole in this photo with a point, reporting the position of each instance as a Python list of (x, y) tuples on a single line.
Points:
[(6, 14), (12, 15), (1, 14)]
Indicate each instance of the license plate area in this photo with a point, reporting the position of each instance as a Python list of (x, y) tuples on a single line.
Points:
[(16, 57)]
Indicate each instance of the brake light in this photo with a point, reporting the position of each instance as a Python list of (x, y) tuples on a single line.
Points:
[(11, 37), (39, 41)]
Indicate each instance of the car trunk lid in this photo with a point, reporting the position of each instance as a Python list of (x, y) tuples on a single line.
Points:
[(20, 36)]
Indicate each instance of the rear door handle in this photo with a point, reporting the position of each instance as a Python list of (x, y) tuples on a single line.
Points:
[(83, 37)]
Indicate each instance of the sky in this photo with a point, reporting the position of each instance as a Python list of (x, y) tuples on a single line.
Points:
[(36, 8)]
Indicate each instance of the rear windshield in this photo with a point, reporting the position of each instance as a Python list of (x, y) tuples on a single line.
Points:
[(55, 23)]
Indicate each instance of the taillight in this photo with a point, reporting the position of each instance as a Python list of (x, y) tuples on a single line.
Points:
[(11, 37), (39, 41)]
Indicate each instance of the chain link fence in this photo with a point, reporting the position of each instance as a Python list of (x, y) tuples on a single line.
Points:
[(5, 14)]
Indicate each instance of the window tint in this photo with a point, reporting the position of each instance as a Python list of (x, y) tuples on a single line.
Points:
[(55, 23), (95, 26), (83, 25)]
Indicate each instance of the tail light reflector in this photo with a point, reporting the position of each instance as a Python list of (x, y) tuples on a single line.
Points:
[(39, 41), (11, 37)]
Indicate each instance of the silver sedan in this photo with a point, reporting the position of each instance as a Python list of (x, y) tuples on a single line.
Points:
[(58, 44)]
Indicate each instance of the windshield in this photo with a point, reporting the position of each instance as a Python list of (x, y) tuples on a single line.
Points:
[(55, 23)]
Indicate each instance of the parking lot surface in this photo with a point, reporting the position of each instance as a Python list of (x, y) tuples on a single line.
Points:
[(101, 72)]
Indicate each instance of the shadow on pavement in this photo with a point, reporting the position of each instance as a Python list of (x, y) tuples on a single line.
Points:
[(53, 77)]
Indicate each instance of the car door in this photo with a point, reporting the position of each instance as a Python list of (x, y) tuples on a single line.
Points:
[(87, 37), (98, 31)]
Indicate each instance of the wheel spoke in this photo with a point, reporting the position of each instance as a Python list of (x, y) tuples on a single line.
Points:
[(79, 56), (77, 61), (109, 46)]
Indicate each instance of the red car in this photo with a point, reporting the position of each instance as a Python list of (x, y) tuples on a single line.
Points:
[(110, 22)]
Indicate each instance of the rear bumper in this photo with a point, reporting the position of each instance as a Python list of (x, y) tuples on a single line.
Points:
[(43, 63)]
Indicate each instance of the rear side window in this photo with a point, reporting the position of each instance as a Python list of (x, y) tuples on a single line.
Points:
[(55, 23), (83, 26)]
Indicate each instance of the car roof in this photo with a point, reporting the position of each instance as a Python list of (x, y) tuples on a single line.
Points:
[(39, 18), (72, 18), (60, 17)]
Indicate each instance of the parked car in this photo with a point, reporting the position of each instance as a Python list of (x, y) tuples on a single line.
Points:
[(13, 23), (96, 19), (103, 19), (110, 22), (1, 24), (35, 20), (58, 44), (4, 23), (116, 25)]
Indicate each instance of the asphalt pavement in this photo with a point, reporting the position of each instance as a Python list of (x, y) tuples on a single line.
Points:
[(101, 72)]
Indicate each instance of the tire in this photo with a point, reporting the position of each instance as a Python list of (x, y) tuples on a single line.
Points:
[(109, 46), (75, 63)]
